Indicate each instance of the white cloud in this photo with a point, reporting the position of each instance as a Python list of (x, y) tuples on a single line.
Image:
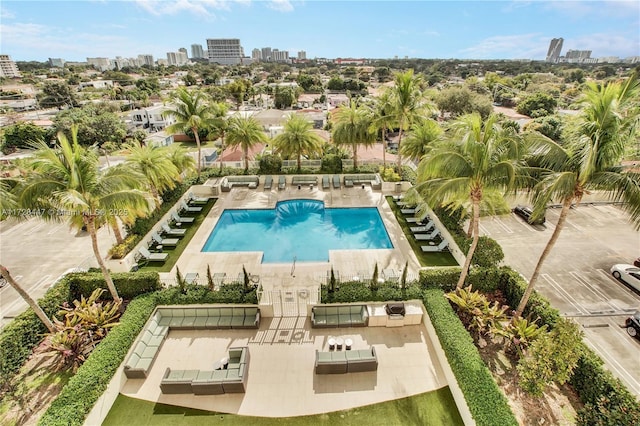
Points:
[(531, 46), (579, 9), (280, 5), (604, 44), (6, 14), (201, 8)]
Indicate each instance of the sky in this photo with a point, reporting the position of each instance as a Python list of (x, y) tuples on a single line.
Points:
[(74, 30)]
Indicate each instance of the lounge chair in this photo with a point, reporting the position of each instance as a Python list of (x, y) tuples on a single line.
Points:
[(423, 228), (397, 197), (152, 257), (174, 232), (193, 199), (169, 242), (325, 182), (408, 211), (282, 182), (390, 274), (189, 209), (406, 204), (336, 182), (417, 221), (427, 237), (181, 219), (268, 181), (434, 249)]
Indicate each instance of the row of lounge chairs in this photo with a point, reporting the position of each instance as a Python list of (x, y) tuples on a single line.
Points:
[(422, 231), (327, 182)]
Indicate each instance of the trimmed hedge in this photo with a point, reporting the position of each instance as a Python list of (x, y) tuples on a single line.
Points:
[(486, 402), (20, 336), (129, 285), (82, 391)]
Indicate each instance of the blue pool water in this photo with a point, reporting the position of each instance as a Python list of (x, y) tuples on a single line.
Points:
[(301, 228)]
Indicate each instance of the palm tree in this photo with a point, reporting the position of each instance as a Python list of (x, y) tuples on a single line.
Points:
[(352, 126), (298, 138), (192, 112), (383, 119), (220, 124), (66, 184), (408, 104), (154, 163), (424, 134), (477, 166), (590, 162), (180, 158), (245, 132), (4, 273)]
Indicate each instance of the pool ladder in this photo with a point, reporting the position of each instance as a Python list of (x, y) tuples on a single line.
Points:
[(293, 267)]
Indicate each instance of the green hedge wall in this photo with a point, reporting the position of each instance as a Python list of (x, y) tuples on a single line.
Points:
[(129, 285), (485, 400), (82, 391), (20, 336)]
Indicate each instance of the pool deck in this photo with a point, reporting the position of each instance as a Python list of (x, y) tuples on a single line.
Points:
[(309, 275)]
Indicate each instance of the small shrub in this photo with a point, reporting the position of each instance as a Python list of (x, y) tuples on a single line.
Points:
[(128, 284), (389, 174), (119, 251), (352, 292), (388, 291), (270, 164), (331, 163)]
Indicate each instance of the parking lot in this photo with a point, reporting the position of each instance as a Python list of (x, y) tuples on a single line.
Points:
[(576, 277)]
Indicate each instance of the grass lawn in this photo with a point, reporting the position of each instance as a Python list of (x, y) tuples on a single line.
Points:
[(426, 259), (175, 253), (191, 146), (431, 408)]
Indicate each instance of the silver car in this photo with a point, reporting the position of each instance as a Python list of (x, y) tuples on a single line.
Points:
[(627, 273)]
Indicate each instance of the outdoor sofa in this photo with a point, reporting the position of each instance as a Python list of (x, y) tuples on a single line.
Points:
[(326, 316), (226, 378), (349, 361), (197, 317), (304, 180), (368, 179), (231, 181)]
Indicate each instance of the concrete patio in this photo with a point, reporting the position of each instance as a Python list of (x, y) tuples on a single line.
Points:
[(282, 382)]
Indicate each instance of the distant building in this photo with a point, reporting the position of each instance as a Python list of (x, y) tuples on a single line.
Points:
[(56, 62), (184, 50), (101, 64), (151, 118), (177, 58), (266, 54), (578, 56), (146, 59), (224, 51), (96, 84), (555, 48), (302, 55), (279, 55), (256, 54), (350, 61), (196, 51)]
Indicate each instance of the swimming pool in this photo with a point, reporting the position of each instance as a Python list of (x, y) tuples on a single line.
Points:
[(303, 229)]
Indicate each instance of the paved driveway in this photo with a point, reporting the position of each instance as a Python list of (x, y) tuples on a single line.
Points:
[(576, 278)]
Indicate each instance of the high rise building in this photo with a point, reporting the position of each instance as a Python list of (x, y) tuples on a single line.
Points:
[(256, 54), (266, 54), (56, 62), (146, 60), (101, 64), (302, 55), (577, 55), (196, 51), (555, 47), (279, 55), (8, 68), (177, 58), (224, 51)]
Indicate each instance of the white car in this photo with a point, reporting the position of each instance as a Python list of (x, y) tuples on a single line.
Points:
[(628, 273)]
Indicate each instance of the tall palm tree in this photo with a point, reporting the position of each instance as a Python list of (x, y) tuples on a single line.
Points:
[(180, 158), (590, 162), (408, 104), (352, 126), (298, 138), (245, 132), (67, 185), (154, 163), (192, 112), (421, 139), (32, 303), (478, 166), (383, 119), (220, 124)]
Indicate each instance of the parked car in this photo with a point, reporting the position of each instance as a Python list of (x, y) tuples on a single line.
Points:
[(627, 273), (633, 325), (526, 213)]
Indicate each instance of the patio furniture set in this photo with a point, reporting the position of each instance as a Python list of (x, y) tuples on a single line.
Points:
[(423, 231)]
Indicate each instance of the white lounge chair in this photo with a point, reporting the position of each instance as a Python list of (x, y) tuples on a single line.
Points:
[(152, 257), (423, 228), (174, 232), (268, 182), (408, 211), (417, 220), (390, 274), (434, 249), (197, 200), (169, 242), (427, 237), (181, 219), (282, 182), (190, 209)]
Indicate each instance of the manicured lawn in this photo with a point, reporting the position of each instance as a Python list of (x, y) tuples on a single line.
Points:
[(431, 408), (175, 253), (426, 259)]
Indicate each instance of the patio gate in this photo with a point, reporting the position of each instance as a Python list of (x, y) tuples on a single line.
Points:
[(290, 302)]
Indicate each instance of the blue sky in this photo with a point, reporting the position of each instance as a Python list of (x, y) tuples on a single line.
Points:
[(75, 30)]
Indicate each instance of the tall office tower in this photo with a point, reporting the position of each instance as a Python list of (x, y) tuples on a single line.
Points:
[(302, 55), (56, 62), (184, 50), (8, 68), (224, 51), (177, 58), (266, 54), (196, 51), (555, 47), (256, 54), (146, 60)]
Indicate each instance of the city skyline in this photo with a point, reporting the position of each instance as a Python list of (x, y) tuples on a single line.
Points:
[(75, 30)]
